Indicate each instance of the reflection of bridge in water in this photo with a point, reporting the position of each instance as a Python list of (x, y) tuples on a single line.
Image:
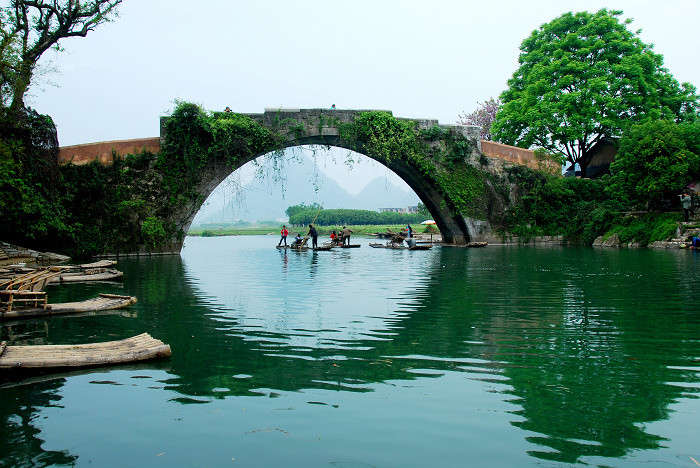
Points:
[(568, 370)]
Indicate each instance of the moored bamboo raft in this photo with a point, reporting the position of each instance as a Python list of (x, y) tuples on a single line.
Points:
[(137, 348), (391, 246), (420, 247), (97, 274), (101, 302), (98, 264)]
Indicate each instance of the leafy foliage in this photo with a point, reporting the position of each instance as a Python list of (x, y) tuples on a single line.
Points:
[(29, 177), (194, 137), (95, 208), (583, 77), (153, 232), (646, 228), (296, 209), (655, 159), (552, 205), (384, 137)]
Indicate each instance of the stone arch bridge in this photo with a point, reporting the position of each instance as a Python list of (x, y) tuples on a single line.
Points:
[(298, 127)]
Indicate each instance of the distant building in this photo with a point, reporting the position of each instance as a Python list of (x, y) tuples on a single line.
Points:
[(599, 157), (392, 210), (409, 209)]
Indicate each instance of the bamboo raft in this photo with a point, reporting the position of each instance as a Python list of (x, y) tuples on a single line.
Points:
[(35, 280), (137, 348), (323, 248), (99, 303), (96, 274), (377, 245)]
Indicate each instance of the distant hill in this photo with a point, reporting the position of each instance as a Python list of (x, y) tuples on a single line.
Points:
[(266, 199), (380, 193)]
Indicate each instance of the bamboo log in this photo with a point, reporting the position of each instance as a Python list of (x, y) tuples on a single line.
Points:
[(78, 277), (116, 296), (100, 303), (99, 264), (137, 348)]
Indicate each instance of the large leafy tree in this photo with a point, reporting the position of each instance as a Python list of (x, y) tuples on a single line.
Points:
[(31, 27), (583, 77), (656, 158)]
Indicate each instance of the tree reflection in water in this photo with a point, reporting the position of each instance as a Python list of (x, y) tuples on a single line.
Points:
[(575, 339)]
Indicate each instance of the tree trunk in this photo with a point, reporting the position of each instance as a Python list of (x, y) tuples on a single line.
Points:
[(21, 86), (584, 166)]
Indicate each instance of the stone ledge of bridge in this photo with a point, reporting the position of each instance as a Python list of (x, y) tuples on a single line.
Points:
[(311, 118)]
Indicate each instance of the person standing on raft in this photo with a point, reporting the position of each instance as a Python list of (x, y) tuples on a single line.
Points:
[(345, 235), (314, 236), (284, 233)]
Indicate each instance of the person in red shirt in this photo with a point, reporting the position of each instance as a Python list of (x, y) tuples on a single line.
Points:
[(284, 234)]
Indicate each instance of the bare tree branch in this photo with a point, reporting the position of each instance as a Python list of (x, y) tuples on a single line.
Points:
[(31, 27)]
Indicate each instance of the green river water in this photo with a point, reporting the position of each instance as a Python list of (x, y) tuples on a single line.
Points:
[(499, 356)]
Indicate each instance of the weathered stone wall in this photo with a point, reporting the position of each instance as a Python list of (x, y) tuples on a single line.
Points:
[(515, 155)]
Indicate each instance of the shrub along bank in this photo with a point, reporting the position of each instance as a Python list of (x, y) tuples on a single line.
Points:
[(639, 201)]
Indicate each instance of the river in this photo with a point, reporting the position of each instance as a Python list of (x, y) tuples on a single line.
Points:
[(496, 356)]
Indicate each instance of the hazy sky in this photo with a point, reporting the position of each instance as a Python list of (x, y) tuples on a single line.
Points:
[(418, 59)]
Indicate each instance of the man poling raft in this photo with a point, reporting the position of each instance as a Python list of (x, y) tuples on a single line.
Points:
[(301, 245)]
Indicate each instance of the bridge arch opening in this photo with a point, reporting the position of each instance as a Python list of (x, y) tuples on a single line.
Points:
[(336, 178)]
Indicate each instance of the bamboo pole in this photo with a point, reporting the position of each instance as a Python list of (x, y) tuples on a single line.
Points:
[(306, 237)]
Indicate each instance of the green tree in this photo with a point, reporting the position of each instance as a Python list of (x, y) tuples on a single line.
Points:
[(30, 28), (296, 209), (656, 158), (583, 77)]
